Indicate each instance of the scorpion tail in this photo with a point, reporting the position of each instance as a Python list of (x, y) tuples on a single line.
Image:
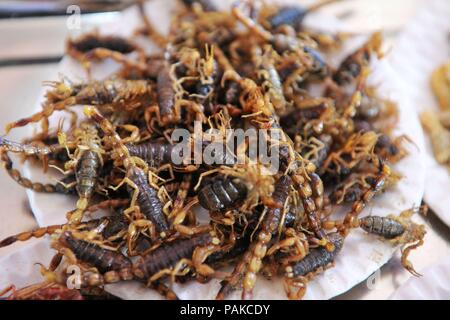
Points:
[(351, 218), (25, 182), (24, 236)]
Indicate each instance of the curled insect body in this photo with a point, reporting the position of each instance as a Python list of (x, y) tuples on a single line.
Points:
[(399, 230), (117, 94), (222, 194), (94, 47), (42, 291), (318, 259), (251, 262), (439, 135)]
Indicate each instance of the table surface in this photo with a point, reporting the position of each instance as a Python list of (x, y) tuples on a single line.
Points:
[(21, 85)]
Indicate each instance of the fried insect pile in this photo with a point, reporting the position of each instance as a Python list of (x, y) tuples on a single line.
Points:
[(254, 67), (437, 124)]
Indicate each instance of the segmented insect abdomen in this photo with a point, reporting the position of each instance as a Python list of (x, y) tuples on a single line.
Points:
[(382, 226), (222, 195), (148, 200), (317, 257), (87, 173), (166, 93), (92, 41), (167, 255), (154, 153), (102, 259)]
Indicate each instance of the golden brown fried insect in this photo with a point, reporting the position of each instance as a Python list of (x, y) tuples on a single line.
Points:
[(85, 163), (356, 149), (252, 260), (121, 95), (440, 137), (440, 83)]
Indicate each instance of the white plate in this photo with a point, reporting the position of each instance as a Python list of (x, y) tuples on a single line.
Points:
[(433, 285), (361, 255), (422, 47)]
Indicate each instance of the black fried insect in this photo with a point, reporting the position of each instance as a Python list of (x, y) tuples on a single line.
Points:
[(147, 199), (94, 41), (222, 194), (155, 153), (102, 259), (317, 258), (169, 254), (382, 226)]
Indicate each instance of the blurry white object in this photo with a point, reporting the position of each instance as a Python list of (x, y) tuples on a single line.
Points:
[(433, 285), (422, 47)]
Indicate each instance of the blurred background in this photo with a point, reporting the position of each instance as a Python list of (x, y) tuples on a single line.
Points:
[(32, 35)]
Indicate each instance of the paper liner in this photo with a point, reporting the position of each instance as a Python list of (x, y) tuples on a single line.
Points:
[(434, 285)]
